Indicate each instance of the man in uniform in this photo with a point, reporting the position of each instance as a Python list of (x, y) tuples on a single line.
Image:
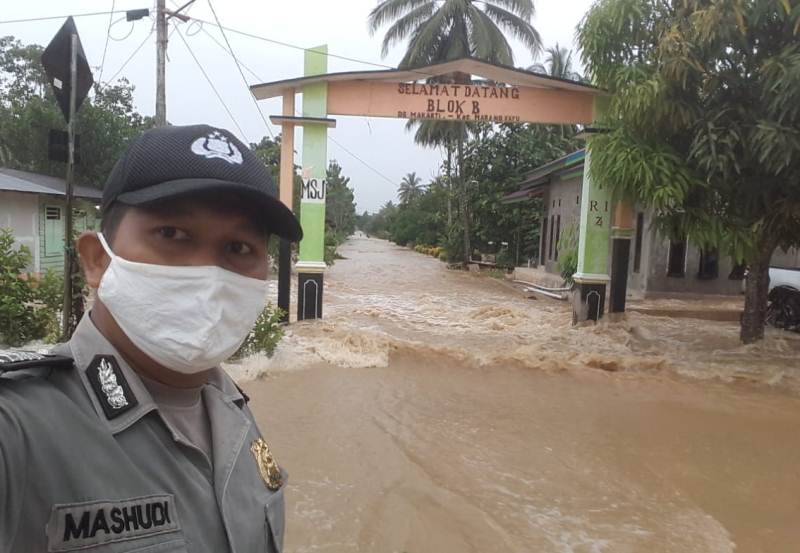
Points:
[(130, 438)]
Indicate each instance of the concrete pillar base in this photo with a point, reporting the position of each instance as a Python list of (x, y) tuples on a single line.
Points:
[(309, 296), (588, 301)]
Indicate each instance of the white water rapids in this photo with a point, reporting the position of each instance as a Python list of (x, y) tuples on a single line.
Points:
[(441, 411)]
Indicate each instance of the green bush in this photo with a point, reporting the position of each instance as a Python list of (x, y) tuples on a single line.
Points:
[(20, 321), (48, 292), (568, 252), (505, 258), (264, 336)]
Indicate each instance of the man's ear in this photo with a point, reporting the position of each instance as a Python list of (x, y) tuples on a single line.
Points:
[(94, 258)]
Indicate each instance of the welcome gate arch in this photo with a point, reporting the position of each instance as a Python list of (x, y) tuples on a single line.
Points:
[(523, 97)]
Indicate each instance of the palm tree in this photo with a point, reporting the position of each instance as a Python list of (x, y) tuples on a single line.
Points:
[(440, 30), (410, 188), (558, 63)]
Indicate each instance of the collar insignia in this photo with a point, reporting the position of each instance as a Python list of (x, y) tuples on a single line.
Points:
[(14, 360), (217, 145), (110, 386), (267, 466)]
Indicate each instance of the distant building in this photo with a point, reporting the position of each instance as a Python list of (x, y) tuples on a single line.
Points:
[(33, 206), (657, 266)]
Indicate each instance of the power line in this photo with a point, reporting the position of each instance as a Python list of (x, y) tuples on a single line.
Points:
[(302, 48), (111, 80), (367, 165), (247, 86), (108, 36), (218, 43), (211, 84), (32, 19)]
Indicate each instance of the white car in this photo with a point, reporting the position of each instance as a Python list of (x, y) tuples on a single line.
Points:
[(780, 276)]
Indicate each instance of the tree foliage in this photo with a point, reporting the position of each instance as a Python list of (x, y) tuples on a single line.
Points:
[(340, 207), (410, 188), (439, 30), (705, 122), (106, 121), (496, 160)]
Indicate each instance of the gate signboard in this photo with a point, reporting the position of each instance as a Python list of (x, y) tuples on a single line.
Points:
[(500, 95)]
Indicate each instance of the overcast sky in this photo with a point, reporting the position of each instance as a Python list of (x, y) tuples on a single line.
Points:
[(382, 143)]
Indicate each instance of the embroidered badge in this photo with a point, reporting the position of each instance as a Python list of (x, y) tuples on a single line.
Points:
[(217, 145), (80, 525), (109, 384), (267, 466)]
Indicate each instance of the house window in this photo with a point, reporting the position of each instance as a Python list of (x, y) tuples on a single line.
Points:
[(637, 252), (676, 265), (559, 202), (558, 235), (578, 199), (52, 213), (709, 264), (552, 228)]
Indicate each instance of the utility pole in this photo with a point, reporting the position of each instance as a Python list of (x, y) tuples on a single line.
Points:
[(161, 55), (69, 250)]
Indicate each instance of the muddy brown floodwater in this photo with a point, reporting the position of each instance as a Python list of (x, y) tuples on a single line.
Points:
[(440, 411)]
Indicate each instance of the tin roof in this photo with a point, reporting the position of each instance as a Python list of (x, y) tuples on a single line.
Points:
[(13, 180), (533, 184)]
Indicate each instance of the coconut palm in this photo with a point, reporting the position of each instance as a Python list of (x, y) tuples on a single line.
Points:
[(440, 30), (410, 188), (558, 63)]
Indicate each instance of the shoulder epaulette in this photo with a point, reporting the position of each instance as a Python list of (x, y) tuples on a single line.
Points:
[(14, 360)]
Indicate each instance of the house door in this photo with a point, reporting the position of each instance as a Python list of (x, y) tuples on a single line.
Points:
[(53, 230)]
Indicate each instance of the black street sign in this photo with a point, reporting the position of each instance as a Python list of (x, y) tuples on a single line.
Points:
[(56, 60), (58, 146)]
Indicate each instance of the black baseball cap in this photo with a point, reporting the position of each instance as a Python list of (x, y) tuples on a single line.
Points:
[(172, 161)]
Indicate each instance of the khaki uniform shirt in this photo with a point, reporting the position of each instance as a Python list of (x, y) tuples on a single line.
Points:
[(87, 464)]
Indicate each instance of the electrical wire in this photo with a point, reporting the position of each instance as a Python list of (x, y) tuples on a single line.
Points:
[(247, 86), (211, 84), (339, 144), (218, 43), (108, 36), (302, 48), (111, 80), (46, 18), (364, 163), (130, 30), (254, 74)]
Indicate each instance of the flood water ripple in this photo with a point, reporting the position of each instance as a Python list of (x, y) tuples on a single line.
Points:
[(436, 410)]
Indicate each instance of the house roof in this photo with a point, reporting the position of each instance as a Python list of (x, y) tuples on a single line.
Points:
[(495, 72), (534, 182), (13, 180)]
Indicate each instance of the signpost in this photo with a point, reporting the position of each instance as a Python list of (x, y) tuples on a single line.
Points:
[(68, 72), (506, 95)]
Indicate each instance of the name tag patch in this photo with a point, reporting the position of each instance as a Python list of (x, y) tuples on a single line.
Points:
[(79, 525)]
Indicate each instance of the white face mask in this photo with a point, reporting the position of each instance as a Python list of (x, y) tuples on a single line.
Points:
[(188, 319)]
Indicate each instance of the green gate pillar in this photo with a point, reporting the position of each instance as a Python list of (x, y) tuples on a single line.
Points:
[(588, 298), (311, 265)]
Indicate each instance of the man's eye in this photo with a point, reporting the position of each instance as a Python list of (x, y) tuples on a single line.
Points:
[(172, 233), (239, 248)]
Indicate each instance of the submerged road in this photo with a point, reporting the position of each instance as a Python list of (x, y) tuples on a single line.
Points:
[(439, 411)]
